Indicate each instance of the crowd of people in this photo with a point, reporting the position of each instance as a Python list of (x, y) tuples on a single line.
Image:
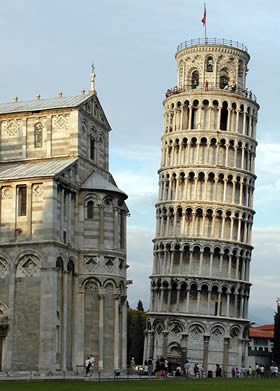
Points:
[(260, 371), (225, 86), (162, 368)]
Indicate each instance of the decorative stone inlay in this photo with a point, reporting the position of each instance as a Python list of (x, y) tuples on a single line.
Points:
[(37, 190), (3, 267), (61, 121), (196, 332), (12, 128), (6, 192), (29, 266), (109, 264), (108, 206), (217, 333), (91, 263), (90, 286)]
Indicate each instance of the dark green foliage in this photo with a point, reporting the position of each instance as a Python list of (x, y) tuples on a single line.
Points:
[(276, 347), (136, 323), (140, 306)]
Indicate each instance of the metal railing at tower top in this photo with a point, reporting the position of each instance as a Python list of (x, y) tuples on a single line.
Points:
[(237, 90), (212, 41)]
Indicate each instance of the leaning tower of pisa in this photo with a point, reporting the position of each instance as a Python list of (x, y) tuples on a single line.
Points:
[(202, 249)]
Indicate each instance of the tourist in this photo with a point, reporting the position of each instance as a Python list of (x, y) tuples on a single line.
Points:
[(206, 85), (150, 367), (258, 370), (178, 371), (87, 366), (187, 367), (162, 366), (92, 361), (237, 372), (132, 365), (233, 372), (250, 371), (196, 370), (146, 367), (233, 86), (244, 371), (218, 371), (166, 367), (262, 371)]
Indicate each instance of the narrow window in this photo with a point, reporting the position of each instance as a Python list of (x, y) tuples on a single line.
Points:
[(195, 79), (38, 135), (92, 149), (209, 65), (22, 201), (90, 210), (224, 80), (64, 237)]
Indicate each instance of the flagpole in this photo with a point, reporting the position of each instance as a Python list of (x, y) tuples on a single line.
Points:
[(205, 22)]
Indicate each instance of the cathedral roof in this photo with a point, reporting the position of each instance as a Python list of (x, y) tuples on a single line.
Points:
[(42, 104), (97, 182), (43, 168)]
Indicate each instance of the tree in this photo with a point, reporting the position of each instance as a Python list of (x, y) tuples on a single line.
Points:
[(140, 306), (136, 324), (276, 347)]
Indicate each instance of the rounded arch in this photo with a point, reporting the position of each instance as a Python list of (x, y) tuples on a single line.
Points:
[(110, 281)]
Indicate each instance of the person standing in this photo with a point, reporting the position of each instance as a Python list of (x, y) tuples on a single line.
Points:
[(150, 367), (87, 366), (187, 367), (233, 372), (92, 361)]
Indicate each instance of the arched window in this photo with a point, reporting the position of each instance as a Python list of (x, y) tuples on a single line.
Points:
[(38, 135), (209, 64), (90, 205), (224, 79), (195, 79)]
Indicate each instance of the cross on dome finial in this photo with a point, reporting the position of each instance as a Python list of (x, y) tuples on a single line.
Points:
[(92, 68)]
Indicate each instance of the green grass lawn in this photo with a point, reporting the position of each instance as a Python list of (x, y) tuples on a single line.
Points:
[(148, 385)]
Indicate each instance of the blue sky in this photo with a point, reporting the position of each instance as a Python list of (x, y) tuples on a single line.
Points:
[(47, 47)]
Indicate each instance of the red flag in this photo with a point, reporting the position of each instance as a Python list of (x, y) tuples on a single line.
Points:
[(203, 20)]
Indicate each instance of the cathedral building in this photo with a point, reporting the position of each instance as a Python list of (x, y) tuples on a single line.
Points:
[(62, 238), (202, 250)]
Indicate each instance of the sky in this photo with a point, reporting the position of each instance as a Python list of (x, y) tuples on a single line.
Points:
[(48, 46)]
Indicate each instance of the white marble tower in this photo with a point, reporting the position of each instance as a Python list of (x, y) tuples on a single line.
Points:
[(202, 249)]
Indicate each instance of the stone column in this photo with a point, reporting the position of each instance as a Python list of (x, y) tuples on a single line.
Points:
[(184, 348), (225, 357), (78, 351), (205, 354), (178, 299), (64, 319), (152, 341), (165, 342), (124, 333), (116, 333), (101, 295), (48, 297), (211, 263), (101, 226), (200, 262)]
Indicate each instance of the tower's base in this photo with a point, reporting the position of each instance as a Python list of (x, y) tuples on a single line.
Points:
[(207, 341)]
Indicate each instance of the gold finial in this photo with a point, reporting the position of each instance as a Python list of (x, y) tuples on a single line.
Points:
[(38, 96), (15, 99), (60, 94), (83, 92)]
